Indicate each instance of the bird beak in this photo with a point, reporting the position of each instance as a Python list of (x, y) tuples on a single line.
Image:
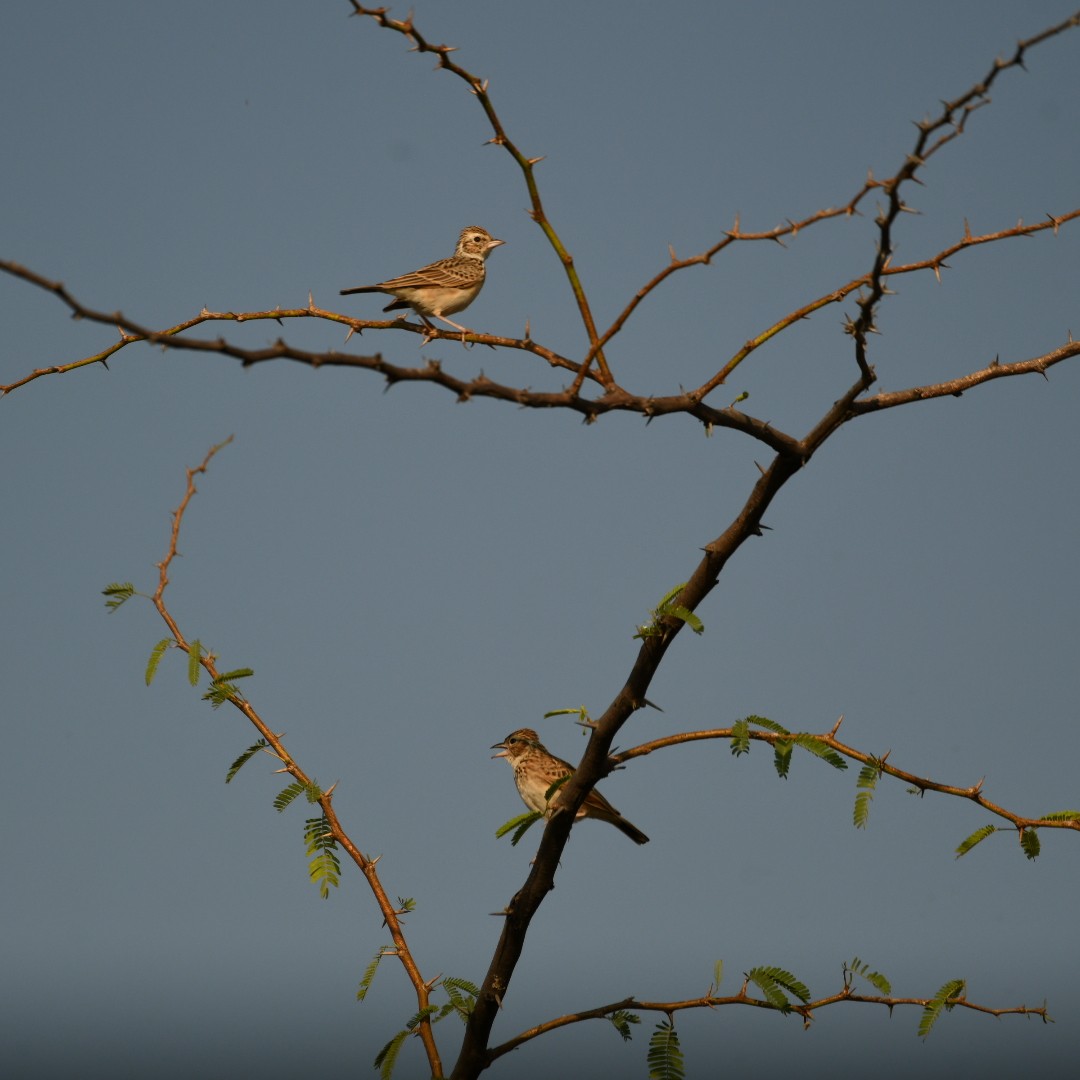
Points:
[(492, 244), (498, 746)]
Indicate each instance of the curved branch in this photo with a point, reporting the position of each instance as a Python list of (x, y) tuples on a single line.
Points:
[(972, 792), (479, 87), (288, 765), (711, 1001)]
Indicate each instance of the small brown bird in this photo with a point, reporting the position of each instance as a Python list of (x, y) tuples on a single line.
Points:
[(536, 769), (445, 287)]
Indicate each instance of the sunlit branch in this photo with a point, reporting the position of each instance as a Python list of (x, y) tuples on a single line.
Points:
[(289, 765), (479, 87)]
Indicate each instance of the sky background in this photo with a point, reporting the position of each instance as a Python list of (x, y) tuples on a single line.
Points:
[(411, 578)]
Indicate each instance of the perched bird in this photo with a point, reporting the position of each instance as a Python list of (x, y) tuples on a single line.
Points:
[(444, 287), (536, 769)]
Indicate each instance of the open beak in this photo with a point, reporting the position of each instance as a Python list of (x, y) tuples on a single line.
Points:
[(498, 746)]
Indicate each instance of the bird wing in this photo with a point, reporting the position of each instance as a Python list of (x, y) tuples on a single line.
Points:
[(442, 274)]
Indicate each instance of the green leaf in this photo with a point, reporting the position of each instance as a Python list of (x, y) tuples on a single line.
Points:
[(668, 608), (977, 837), (580, 712), (867, 781), (287, 794), (553, 789), (769, 725), (740, 738), (665, 1053), (369, 971), (244, 758), (387, 1056), (669, 597), (687, 616), (239, 673), (324, 869), (156, 654), (195, 652), (463, 995), (522, 823), (622, 1021), (118, 594), (773, 981), (818, 748), (945, 998), (782, 756), (718, 974), (1029, 841), (1062, 815), (874, 978)]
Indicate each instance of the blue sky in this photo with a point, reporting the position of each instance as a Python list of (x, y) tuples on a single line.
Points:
[(412, 578)]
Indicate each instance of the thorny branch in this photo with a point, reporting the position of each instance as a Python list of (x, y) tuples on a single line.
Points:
[(366, 865), (881, 762), (790, 455), (713, 1001)]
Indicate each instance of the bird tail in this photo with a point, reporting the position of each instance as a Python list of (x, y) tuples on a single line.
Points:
[(361, 288), (635, 834)]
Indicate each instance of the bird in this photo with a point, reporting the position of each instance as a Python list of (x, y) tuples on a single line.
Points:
[(445, 287), (536, 769)]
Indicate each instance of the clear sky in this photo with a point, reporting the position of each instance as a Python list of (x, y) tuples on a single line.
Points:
[(412, 578)]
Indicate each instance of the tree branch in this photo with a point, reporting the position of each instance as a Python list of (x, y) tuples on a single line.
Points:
[(288, 765)]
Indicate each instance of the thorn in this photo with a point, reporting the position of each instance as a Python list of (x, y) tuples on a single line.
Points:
[(310, 301), (535, 160), (330, 790), (759, 468)]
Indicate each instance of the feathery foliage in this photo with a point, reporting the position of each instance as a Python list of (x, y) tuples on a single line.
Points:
[(945, 998), (621, 1019), (324, 867), (520, 825), (194, 658), (244, 758), (874, 978), (156, 653), (287, 794), (782, 756), (740, 738), (768, 725), (386, 1059), (369, 971), (867, 781), (773, 981), (1029, 841), (977, 837), (665, 1053), (667, 608), (463, 995), (224, 688), (819, 749), (118, 594), (1062, 815)]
